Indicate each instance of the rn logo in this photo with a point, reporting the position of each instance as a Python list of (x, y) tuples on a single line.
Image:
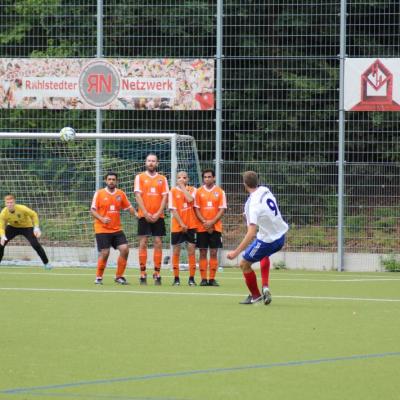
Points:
[(99, 83)]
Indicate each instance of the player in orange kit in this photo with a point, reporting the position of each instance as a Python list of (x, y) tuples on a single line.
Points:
[(210, 206), (151, 192), (106, 209), (183, 225)]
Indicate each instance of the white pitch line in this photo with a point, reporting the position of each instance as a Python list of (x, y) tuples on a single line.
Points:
[(48, 273), (230, 271), (337, 280), (72, 274), (100, 290)]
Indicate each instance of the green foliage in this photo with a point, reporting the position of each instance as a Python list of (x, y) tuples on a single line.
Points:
[(386, 219), (383, 241), (62, 49), (387, 224), (14, 34), (309, 236), (279, 265), (391, 263), (355, 223)]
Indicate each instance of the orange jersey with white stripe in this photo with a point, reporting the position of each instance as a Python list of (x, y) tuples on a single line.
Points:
[(209, 202), (177, 201), (109, 205), (152, 189)]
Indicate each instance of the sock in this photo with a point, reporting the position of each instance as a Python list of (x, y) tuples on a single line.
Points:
[(264, 268), (157, 257), (213, 265), (101, 265), (142, 261), (121, 266), (192, 265), (156, 271), (175, 265), (203, 268), (251, 282)]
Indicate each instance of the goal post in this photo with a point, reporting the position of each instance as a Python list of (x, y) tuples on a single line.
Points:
[(58, 179)]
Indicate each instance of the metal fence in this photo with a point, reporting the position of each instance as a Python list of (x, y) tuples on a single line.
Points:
[(278, 102)]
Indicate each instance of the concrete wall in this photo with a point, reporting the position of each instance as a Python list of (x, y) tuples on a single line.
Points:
[(83, 256)]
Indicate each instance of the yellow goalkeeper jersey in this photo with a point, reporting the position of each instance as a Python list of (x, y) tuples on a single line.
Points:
[(22, 217)]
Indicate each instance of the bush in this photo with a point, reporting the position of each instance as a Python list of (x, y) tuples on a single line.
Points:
[(310, 236), (391, 263), (279, 265)]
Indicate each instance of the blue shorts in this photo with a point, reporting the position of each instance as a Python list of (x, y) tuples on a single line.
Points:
[(258, 249)]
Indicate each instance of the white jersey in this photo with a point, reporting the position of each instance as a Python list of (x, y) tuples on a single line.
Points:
[(262, 209)]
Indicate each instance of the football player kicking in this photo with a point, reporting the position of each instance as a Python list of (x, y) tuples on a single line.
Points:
[(106, 209), (262, 212)]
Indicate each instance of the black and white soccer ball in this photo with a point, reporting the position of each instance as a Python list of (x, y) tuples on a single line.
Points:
[(67, 134)]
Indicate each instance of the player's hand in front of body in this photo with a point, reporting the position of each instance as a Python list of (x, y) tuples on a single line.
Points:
[(37, 232), (208, 225), (155, 217), (148, 217), (105, 220), (184, 228), (181, 183), (3, 240), (231, 255)]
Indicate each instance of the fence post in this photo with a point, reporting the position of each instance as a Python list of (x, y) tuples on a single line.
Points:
[(99, 116), (341, 161), (218, 93)]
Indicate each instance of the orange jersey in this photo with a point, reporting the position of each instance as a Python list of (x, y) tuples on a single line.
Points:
[(152, 189), (209, 202), (109, 205), (177, 201)]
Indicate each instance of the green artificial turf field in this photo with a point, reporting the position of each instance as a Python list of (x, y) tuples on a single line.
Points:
[(326, 335)]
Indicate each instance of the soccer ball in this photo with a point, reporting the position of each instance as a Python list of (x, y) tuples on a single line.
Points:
[(67, 134)]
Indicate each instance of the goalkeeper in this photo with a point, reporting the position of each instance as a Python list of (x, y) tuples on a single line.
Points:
[(17, 219)]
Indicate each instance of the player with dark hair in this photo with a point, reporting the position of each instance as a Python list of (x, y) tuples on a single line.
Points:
[(151, 193), (210, 206), (183, 225), (106, 209), (262, 215), (17, 219)]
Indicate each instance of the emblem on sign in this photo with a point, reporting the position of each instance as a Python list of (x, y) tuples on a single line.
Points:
[(99, 83), (376, 89)]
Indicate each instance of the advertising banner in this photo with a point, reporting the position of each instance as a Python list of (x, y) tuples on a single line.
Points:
[(116, 84), (372, 84)]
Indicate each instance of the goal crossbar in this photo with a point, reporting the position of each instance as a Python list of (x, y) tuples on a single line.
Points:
[(92, 135)]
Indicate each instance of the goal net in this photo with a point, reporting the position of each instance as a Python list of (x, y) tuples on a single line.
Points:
[(58, 179)]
